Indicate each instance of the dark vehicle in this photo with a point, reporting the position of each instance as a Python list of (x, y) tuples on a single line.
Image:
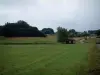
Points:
[(70, 41)]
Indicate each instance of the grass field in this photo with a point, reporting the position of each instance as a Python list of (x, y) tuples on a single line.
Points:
[(35, 40), (44, 59)]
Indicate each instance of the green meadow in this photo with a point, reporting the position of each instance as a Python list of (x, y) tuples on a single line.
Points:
[(44, 57)]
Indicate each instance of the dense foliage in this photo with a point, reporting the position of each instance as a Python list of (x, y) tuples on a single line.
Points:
[(72, 33), (23, 29), (47, 31), (98, 32), (62, 34), (20, 29)]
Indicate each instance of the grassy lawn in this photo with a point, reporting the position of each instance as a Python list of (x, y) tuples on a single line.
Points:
[(35, 40), (50, 59)]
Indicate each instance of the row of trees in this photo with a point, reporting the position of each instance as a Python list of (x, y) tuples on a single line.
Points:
[(23, 29), (63, 34), (20, 29)]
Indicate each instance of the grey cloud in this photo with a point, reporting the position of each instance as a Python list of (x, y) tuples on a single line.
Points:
[(17, 2), (78, 14)]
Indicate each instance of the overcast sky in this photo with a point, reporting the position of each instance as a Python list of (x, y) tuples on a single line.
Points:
[(72, 14)]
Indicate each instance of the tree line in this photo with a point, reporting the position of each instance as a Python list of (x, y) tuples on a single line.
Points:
[(63, 34), (23, 29), (20, 29)]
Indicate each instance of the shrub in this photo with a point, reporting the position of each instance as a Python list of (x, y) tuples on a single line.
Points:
[(62, 34)]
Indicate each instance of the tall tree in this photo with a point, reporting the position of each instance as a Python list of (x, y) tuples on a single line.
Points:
[(62, 34)]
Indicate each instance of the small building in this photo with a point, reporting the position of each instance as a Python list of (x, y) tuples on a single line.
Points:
[(70, 41)]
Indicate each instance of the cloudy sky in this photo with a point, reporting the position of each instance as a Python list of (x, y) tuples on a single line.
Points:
[(78, 14)]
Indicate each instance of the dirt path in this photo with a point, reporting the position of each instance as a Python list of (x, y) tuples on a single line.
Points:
[(82, 41)]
